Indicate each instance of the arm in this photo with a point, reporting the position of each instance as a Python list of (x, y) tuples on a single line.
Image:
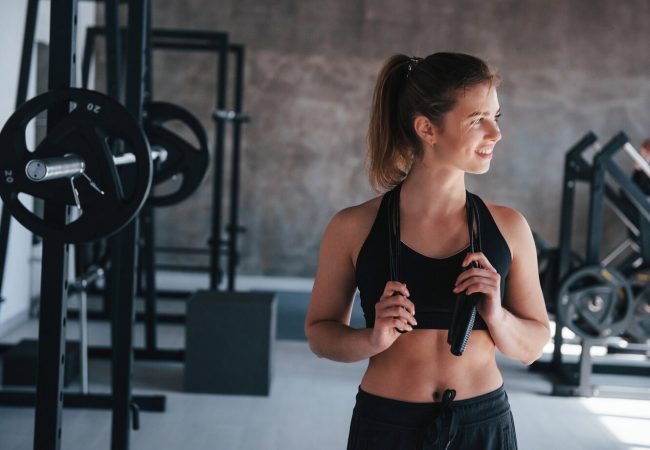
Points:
[(520, 327), (328, 317)]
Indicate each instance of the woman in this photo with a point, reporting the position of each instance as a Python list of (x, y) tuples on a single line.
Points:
[(432, 121)]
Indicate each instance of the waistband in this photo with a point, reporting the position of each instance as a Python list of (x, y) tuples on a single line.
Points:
[(414, 415)]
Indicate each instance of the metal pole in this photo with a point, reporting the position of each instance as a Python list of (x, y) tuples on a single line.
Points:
[(123, 250), (217, 185), (52, 322), (234, 229), (113, 49), (147, 216)]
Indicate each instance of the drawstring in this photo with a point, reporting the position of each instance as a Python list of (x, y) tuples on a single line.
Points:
[(442, 431)]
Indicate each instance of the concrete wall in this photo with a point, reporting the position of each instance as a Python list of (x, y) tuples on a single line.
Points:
[(21, 279), (567, 67)]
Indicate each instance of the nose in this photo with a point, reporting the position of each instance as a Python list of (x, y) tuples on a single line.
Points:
[(494, 133)]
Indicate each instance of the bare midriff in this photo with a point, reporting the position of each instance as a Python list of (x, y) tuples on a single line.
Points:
[(419, 366)]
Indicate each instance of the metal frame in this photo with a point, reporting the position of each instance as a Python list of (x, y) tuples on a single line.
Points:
[(218, 42), (197, 41), (51, 325), (49, 397), (576, 379)]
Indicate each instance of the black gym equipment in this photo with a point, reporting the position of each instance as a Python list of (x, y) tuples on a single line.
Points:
[(595, 302), (76, 148), (196, 41), (183, 158), (217, 42), (596, 299), (63, 155)]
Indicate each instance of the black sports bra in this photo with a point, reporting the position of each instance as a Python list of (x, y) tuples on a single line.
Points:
[(430, 281)]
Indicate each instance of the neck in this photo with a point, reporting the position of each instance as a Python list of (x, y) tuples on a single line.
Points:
[(433, 191)]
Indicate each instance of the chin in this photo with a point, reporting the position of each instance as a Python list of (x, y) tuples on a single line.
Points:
[(479, 170)]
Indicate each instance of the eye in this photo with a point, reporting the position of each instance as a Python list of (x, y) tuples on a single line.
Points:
[(497, 117), (477, 121)]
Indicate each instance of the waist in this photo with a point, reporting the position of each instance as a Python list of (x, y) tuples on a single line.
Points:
[(419, 365), (468, 411)]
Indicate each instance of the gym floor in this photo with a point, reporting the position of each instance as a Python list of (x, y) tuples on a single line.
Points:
[(310, 403)]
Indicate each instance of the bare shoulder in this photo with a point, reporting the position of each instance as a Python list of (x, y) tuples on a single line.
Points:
[(352, 225), (512, 224)]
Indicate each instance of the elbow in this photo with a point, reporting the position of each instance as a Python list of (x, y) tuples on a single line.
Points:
[(538, 351), (532, 355), (311, 340), (529, 361)]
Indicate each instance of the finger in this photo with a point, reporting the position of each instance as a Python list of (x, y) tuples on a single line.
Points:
[(393, 287), (399, 300), (398, 311), (480, 287), (467, 284), (391, 322), (480, 258), (399, 325), (475, 272)]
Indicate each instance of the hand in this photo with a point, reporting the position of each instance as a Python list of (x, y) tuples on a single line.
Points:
[(484, 279), (393, 311)]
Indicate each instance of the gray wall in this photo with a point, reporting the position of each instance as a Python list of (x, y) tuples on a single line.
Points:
[(567, 67)]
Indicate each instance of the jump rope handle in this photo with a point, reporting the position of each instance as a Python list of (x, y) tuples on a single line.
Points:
[(464, 314), (393, 235)]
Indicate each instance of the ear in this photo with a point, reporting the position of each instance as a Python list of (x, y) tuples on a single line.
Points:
[(425, 130)]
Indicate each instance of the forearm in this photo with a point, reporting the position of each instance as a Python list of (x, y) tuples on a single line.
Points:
[(518, 338), (339, 342)]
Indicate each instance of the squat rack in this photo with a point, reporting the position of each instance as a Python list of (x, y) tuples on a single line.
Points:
[(49, 398)]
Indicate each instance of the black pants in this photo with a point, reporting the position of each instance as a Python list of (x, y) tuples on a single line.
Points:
[(484, 422)]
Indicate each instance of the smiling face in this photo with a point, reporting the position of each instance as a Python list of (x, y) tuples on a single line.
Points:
[(469, 131)]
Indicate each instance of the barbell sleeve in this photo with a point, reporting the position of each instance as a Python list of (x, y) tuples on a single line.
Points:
[(54, 168), (71, 165)]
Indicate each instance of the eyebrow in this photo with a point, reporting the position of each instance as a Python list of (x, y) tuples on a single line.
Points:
[(479, 113)]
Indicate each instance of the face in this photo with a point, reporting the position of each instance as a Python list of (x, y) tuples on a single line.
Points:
[(470, 131)]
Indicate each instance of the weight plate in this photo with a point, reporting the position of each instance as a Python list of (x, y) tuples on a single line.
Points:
[(638, 330), (183, 158), (95, 122), (548, 266), (595, 302)]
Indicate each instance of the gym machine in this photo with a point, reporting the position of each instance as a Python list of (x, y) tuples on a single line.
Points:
[(217, 42), (75, 169), (596, 300), (197, 41)]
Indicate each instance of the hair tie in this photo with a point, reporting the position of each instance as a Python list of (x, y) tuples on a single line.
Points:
[(413, 61)]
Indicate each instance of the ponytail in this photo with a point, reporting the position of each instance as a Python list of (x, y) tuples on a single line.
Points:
[(388, 158)]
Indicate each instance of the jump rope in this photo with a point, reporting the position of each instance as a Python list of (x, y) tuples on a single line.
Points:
[(464, 313)]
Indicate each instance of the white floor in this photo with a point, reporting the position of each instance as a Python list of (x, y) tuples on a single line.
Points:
[(310, 407)]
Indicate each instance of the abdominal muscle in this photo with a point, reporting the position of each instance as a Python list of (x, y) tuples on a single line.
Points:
[(419, 366)]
